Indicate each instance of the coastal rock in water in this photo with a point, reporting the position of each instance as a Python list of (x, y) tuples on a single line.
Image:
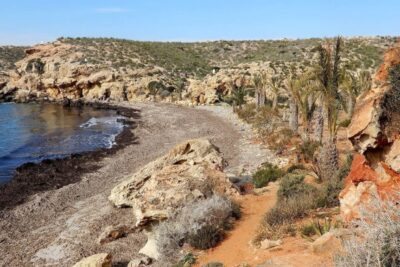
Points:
[(97, 260), (375, 135), (187, 172)]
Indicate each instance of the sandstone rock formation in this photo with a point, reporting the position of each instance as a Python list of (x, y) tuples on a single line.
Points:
[(374, 133), (187, 172), (56, 71), (98, 260), (59, 70)]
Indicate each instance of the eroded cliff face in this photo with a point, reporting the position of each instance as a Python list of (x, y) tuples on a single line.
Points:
[(59, 70), (374, 133), (56, 71)]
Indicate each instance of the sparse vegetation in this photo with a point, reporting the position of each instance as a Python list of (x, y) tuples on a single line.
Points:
[(317, 228), (307, 150), (201, 224), (375, 240), (267, 173), (187, 261), (293, 186)]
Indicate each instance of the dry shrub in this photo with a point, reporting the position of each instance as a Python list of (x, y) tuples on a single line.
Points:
[(376, 237), (290, 209), (191, 223), (278, 140), (248, 112), (295, 200)]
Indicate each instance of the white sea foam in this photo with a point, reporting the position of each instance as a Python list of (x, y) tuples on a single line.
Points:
[(110, 122)]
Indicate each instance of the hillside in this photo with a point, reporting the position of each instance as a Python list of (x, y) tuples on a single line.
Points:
[(195, 73), (199, 58), (9, 55)]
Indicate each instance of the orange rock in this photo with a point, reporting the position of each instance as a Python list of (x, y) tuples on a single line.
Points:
[(363, 182), (392, 57), (375, 135)]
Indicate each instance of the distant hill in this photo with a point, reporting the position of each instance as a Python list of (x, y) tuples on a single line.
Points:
[(9, 55), (199, 58)]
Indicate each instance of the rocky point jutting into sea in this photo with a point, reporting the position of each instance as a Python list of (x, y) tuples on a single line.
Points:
[(225, 146)]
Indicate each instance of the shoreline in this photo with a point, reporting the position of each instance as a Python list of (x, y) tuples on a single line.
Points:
[(31, 178), (58, 227)]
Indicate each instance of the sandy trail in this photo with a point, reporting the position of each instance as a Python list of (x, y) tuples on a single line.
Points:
[(237, 248), (59, 227)]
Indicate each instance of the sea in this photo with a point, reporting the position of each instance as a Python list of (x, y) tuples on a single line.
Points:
[(34, 132)]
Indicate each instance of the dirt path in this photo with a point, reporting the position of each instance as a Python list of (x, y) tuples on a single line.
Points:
[(237, 248), (59, 227)]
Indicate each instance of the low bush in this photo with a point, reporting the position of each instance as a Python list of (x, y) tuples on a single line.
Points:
[(201, 224), (268, 173), (279, 140), (289, 209), (345, 123), (331, 188), (293, 186), (208, 236), (236, 210), (295, 167), (307, 149), (248, 112), (307, 231), (376, 237), (318, 228), (214, 264), (187, 261)]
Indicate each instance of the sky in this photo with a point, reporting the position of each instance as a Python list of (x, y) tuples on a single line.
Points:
[(26, 22)]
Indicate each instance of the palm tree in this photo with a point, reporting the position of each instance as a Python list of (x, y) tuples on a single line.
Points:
[(328, 74), (259, 82), (238, 96), (302, 91), (275, 83), (291, 86), (353, 86)]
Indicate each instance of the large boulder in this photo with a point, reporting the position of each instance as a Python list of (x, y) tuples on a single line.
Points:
[(375, 135), (187, 172)]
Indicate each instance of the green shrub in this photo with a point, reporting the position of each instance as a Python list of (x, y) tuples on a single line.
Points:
[(308, 231), (289, 209), (295, 167), (187, 261), (268, 173), (345, 123), (206, 237), (213, 264), (331, 189), (293, 186), (307, 150), (236, 210)]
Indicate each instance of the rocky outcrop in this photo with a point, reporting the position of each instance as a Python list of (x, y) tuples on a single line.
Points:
[(374, 133), (188, 172), (57, 70), (61, 70), (98, 260)]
